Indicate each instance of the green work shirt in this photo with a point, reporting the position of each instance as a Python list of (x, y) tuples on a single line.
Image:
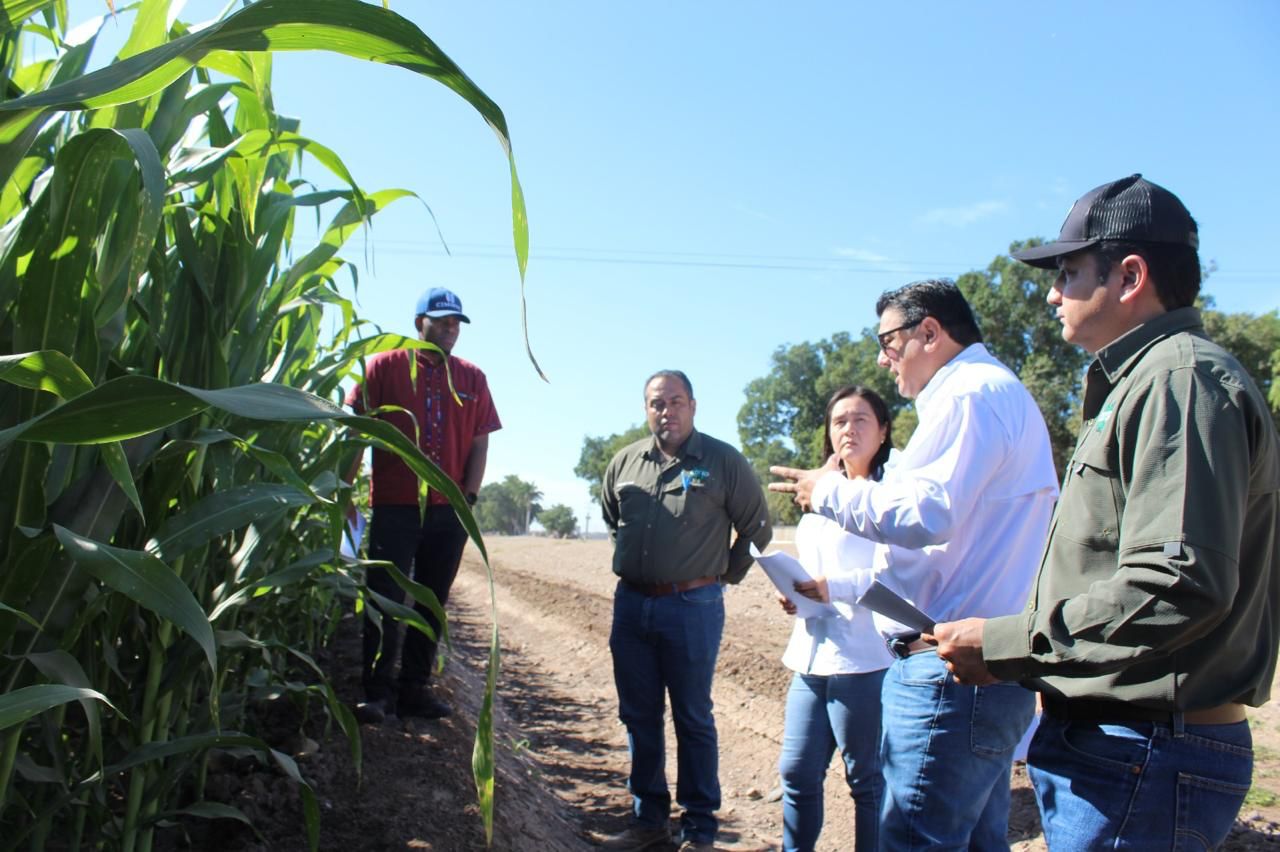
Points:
[(1160, 581), (670, 518)]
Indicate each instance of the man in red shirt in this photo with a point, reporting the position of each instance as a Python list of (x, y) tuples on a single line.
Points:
[(426, 546)]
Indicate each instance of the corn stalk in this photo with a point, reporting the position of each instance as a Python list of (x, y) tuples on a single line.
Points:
[(168, 426)]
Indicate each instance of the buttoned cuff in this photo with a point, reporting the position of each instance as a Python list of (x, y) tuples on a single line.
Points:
[(841, 589), (1006, 645)]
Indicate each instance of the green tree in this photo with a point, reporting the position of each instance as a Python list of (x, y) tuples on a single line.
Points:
[(508, 506), (781, 420), (1255, 340), (1020, 328), (559, 521), (597, 452)]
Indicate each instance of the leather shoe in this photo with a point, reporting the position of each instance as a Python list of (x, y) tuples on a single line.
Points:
[(373, 712), (697, 846), (421, 704), (638, 837)]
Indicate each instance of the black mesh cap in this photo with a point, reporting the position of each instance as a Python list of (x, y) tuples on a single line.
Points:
[(1130, 209)]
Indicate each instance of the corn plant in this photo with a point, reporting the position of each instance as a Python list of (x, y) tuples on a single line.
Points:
[(168, 434)]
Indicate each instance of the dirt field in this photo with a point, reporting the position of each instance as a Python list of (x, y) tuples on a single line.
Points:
[(562, 753)]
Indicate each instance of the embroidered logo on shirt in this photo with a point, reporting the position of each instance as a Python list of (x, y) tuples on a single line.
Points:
[(695, 478), (1100, 423)]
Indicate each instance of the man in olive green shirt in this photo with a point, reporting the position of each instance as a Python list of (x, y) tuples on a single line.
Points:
[(1154, 617), (670, 502)]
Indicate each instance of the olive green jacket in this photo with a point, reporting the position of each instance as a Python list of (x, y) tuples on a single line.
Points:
[(1160, 581), (670, 519)]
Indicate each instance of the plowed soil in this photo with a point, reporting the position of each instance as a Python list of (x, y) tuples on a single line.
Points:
[(561, 752)]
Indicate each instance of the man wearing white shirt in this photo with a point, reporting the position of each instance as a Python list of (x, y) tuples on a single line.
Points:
[(959, 523)]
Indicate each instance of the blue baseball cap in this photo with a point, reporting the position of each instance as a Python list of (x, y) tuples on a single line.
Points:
[(439, 302)]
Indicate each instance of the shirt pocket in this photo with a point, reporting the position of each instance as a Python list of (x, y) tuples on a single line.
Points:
[(1089, 510), (693, 506)]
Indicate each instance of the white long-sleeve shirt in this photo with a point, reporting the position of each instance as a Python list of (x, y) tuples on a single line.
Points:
[(845, 643), (960, 522)]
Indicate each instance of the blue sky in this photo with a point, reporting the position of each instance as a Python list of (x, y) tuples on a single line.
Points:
[(708, 181)]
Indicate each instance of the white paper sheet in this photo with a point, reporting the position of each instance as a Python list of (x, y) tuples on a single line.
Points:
[(785, 571), (352, 535)]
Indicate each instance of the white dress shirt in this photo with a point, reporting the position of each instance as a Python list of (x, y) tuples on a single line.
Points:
[(846, 643), (961, 520)]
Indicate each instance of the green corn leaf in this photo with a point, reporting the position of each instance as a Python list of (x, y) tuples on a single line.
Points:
[(310, 807), (406, 614), (205, 810), (145, 580), (349, 27), (20, 705), (46, 370), (135, 405), (118, 465), (14, 12), (347, 221), (65, 669), (283, 578), (19, 614), (179, 745), (423, 596), (220, 513), (482, 756)]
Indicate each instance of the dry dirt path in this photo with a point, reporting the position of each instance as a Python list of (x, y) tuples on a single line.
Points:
[(561, 753), (555, 600), (558, 701)]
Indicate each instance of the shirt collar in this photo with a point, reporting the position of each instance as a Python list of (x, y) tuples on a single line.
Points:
[(692, 447), (1118, 356), (972, 354)]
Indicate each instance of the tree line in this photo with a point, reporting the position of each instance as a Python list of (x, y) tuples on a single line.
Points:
[(510, 506), (781, 419)]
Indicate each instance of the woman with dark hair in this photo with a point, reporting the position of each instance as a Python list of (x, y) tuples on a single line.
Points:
[(839, 661)]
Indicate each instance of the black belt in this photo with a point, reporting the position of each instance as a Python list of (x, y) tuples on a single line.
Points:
[(1101, 710), (907, 644)]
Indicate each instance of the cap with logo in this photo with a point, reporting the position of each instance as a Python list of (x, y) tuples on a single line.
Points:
[(439, 302), (1131, 209)]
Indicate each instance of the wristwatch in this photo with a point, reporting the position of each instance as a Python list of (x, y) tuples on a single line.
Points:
[(472, 497)]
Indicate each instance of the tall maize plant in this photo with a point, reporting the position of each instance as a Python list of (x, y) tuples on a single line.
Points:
[(170, 446)]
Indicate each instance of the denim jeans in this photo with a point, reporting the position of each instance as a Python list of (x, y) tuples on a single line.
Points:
[(825, 713), (1139, 785), (669, 644), (428, 550), (946, 754)]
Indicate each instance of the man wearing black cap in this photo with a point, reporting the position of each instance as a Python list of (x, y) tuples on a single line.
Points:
[(455, 435), (1155, 613)]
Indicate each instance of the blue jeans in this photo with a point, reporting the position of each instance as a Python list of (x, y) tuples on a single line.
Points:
[(823, 713), (669, 644), (946, 754), (1139, 785)]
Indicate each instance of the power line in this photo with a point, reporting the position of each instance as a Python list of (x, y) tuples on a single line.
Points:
[(712, 260)]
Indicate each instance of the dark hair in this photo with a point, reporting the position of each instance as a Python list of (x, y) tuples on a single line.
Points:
[(883, 417), (672, 374), (1174, 269), (937, 298)]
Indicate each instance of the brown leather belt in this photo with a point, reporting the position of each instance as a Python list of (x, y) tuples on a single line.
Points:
[(1089, 710), (657, 590)]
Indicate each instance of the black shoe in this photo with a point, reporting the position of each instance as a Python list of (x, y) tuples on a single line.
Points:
[(421, 704), (373, 712)]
